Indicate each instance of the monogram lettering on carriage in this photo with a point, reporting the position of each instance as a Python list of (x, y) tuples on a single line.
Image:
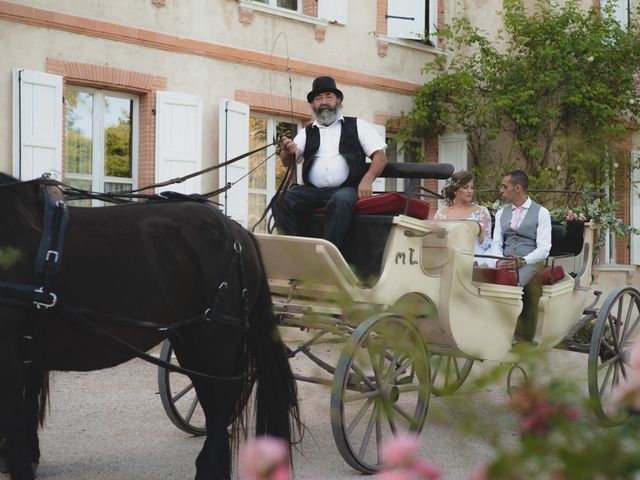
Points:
[(401, 257)]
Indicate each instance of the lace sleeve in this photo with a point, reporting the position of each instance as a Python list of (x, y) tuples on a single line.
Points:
[(484, 239)]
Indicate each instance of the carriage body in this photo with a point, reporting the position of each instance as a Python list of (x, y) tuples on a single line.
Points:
[(432, 262), (409, 316)]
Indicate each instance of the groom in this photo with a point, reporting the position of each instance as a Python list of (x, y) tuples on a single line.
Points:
[(522, 232)]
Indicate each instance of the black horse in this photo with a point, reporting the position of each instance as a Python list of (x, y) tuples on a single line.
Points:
[(140, 272)]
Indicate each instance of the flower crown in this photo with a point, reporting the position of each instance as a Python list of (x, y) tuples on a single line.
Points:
[(453, 183)]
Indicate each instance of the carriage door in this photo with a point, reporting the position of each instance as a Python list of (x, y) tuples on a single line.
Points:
[(266, 171), (100, 140)]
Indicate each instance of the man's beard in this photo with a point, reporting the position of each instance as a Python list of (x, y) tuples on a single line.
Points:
[(326, 115)]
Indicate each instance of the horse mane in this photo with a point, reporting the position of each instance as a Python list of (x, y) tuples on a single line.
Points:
[(20, 201)]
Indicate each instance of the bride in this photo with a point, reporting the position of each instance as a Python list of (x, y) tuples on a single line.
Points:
[(458, 195)]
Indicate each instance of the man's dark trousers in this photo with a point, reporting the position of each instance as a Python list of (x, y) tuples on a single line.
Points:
[(302, 200)]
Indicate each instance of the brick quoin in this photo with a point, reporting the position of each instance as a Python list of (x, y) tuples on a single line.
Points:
[(115, 79)]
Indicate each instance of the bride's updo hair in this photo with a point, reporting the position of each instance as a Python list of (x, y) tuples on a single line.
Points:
[(457, 181)]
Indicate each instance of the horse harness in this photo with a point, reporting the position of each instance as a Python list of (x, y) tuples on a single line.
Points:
[(47, 263)]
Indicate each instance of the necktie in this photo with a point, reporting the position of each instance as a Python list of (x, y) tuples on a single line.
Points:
[(515, 218)]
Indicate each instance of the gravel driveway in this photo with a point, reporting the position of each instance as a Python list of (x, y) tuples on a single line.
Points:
[(110, 425)]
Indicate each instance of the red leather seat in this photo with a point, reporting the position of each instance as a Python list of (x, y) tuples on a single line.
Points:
[(501, 276), (498, 276), (550, 275), (390, 203)]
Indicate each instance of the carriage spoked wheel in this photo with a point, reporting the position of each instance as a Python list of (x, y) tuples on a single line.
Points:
[(448, 373), (179, 397), (617, 328), (381, 387), (516, 379)]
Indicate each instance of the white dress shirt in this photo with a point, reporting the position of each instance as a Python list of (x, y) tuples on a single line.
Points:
[(543, 233), (329, 168)]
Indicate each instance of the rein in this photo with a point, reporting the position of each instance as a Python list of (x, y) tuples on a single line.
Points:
[(47, 263)]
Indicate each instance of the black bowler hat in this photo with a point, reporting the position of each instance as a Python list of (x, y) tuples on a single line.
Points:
[(322, 85)]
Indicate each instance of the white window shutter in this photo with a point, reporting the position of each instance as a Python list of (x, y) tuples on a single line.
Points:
[(37, 124), (178, 140), (452, 148), (406, 19), (432, 21), (333, 10), (379, 183), (635, 206), (233, 140)]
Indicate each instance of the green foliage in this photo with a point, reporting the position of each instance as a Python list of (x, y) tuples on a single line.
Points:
[(558, 437), (559, 91), (9, 256)]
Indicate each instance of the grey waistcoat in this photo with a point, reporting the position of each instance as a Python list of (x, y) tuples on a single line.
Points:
[(522, 241)]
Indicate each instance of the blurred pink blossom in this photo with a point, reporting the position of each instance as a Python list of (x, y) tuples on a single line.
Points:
[(480, 473), (400, 450), (538, 413), (264, 458), (634, 360), (625, 395), (400, 462)]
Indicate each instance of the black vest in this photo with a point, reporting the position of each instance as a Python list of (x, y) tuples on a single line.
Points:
[(349, 148)]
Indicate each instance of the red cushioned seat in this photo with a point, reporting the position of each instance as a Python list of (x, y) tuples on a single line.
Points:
[(498, 276), (390, 203), (550, 275)]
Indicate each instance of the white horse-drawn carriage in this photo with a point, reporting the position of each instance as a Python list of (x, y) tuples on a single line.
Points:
[(412, 313)]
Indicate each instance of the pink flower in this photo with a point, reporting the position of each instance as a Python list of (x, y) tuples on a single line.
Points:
[(400, 450), (634, 359), (426, 470), (480, 473), (264, 458), (625, 395), (400, 462), (395, 475)]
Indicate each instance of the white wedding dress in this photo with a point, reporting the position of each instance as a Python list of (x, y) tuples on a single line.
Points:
[(482, 243)]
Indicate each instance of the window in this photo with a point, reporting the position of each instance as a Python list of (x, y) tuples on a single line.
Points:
[(402, 153), (100, 144), (620, 11), (266, 170), (412, 19), (288, 4)]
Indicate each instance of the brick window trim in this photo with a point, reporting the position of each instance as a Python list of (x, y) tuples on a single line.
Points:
[(275, 105), (143, 84)]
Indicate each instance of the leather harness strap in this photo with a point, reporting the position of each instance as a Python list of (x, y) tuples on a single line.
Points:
[(47, 263)]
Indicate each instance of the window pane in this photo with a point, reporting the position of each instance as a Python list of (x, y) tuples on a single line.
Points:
[(83, 185), (290, 130), (390, 184), (290, 4), (257, 138), (257, 204), (78, 152), (117, 137), (116, 187)]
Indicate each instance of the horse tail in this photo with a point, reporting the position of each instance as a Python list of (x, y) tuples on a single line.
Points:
[(277, 411), (43, 398)]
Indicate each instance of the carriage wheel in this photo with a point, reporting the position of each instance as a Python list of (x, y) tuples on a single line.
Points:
[(448, 373), (617, 329), (516, 379), (178, 396), (381, 387)]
